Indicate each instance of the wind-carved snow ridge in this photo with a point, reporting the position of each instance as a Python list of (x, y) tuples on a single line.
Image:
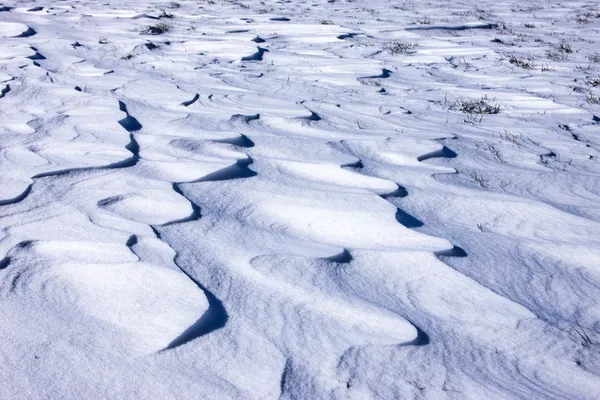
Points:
[(297, 201), (214, 318), (132, 147)]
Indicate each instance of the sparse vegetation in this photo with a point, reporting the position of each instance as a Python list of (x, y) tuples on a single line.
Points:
[(556, 55), (476, 108), (580, 67), (593, 58), (512, 138), (404, 6), (525, 63), (480, 180), (157, 29), (494, 151), (585, 17), (164, 14), (586, 341), (564, 47), (530, 8), (501, 26), (150, 46), (398, 46), (483, 14), (595, 81)]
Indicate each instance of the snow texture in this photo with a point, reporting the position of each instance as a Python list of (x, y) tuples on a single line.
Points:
[(299, 200)]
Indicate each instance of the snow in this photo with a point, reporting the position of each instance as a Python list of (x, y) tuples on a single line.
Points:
[(12, 29), (335, 199)]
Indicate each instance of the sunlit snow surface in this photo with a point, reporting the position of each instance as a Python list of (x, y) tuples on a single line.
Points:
[(288, 200)]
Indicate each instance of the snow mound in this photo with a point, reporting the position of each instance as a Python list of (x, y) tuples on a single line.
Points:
[(13, 29)]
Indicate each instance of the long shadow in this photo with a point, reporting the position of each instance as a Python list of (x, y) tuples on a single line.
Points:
[(4, 91), (451, 28), (348, 35), (342, 258), (400, 192), (196, 213), (132, 146), (214, 318), (18, 198), (258, 56), (287, 370), (245, 119), (455, 251), (5, 262), (444, 152), (37, 55), (407, 220), (240, 141), (192, 101), (422, 338), (131, 124), (385, 73), (356, 165), (236, 171), (29, 32), (132, 241), (312, 117)]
